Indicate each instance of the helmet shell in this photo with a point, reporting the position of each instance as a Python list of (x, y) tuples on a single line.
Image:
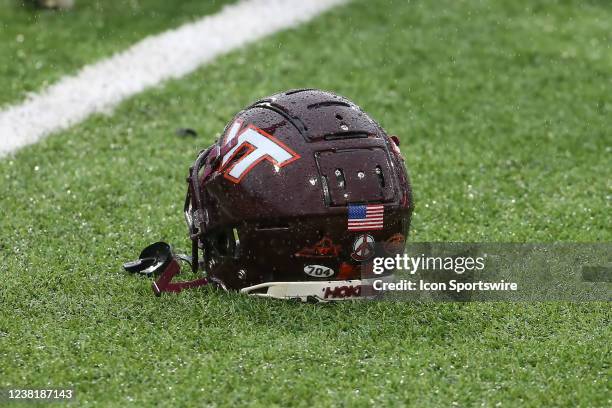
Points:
[(292, 167)]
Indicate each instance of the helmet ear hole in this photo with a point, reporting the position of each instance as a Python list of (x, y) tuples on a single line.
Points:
[(223, 243)]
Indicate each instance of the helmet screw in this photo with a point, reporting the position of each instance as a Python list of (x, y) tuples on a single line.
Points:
[(361, 174)]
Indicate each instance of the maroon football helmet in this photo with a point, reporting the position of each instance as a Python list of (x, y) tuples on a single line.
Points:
[(290, 201)]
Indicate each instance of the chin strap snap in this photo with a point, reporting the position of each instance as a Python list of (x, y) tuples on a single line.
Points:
[(159, 261)]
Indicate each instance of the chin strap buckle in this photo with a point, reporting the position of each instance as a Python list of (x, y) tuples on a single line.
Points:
[(159, 261)]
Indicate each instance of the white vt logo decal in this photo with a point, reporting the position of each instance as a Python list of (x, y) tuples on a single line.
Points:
[(256, 145)]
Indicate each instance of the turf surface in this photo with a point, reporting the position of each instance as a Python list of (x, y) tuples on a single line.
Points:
[(41, 46), (504, 112)]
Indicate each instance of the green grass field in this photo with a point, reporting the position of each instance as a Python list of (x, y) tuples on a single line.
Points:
[(504, 110), (40, 46)]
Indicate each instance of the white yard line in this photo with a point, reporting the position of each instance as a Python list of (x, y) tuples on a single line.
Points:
[(171, 54)]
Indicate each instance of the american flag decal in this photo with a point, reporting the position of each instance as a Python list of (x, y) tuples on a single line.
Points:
[(365, 217)]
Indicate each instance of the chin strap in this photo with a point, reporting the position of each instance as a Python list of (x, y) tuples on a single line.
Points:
[(159, 261), (164, 282)]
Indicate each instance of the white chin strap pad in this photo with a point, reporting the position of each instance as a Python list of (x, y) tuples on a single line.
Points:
[(322, 291)]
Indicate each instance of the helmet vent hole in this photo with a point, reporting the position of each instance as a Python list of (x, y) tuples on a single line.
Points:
[(328, 103), (340, 178), (325, 185), (381, 176), (338, 116), (294, 91), (348, 134), (272, 225)]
